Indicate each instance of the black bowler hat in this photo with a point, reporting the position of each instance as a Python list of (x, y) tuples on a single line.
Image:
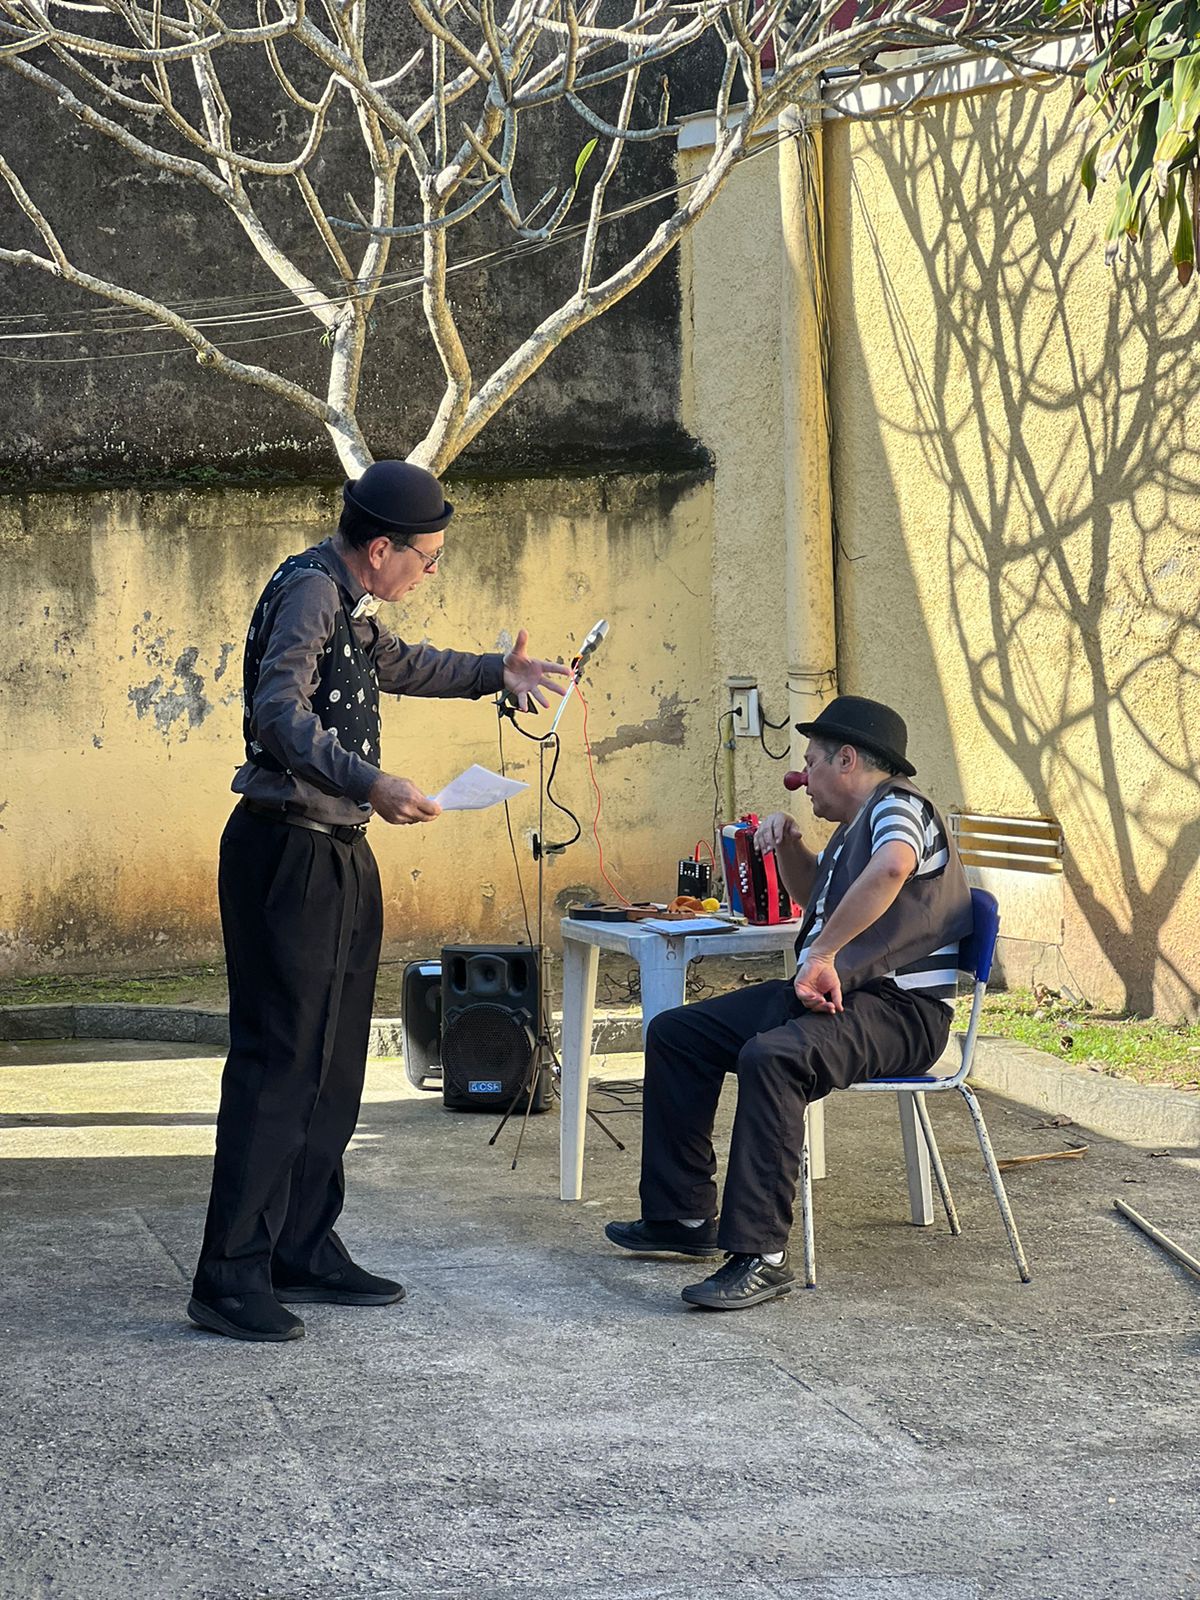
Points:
[(868, 723), (400, 497)]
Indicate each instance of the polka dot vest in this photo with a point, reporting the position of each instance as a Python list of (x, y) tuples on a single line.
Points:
[(346, 698)]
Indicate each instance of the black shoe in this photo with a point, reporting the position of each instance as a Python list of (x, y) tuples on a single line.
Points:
[(246, 1316), (350, 1285), (742, 1281), (664, 1238)]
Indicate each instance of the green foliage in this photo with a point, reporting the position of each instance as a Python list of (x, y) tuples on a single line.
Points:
[(1137, 1049), (585, 155), (1143, 95)]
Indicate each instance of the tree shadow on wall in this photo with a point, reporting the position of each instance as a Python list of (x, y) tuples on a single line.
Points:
[(1053, 408)]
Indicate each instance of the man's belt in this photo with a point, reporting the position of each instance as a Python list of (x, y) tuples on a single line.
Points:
[(344, 833)]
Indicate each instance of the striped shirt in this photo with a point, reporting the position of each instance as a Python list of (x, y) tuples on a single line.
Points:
[(906, 818)]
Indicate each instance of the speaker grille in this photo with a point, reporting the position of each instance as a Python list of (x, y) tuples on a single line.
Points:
[(486, 1044)]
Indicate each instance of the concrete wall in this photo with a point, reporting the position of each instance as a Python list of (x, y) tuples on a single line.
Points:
[(730, 266), (120, 704), (606, 399), (1016, 472), (1017, 475)]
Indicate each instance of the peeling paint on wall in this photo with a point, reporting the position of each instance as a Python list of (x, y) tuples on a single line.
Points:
[(184, 697), (668, 727)]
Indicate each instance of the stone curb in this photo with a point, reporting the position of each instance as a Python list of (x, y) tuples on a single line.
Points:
[(1135, 1113), (612, 1030)]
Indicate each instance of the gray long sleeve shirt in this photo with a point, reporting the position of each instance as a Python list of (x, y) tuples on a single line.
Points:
[(327, 781)]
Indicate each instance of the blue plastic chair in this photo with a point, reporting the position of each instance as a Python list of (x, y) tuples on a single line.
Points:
[(975, 955)]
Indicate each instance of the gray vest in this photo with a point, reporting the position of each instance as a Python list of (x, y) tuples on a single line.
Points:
[(926, 915)]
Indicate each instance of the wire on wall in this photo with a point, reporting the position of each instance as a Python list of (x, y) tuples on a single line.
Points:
[(763, 725)]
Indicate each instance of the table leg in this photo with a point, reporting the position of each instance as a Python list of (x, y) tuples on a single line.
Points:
[(580, 963), (662, 972), (916, 1162)]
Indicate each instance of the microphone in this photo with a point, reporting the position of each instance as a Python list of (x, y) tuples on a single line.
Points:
[(590, 644), (588, 648), (793, 780)]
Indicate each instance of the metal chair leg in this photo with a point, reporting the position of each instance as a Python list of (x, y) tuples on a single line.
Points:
[(993, 1171), (806, 1211), (939, 1171)]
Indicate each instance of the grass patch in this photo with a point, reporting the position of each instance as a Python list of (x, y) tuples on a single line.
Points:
[(198, 986), (1136, 1049)]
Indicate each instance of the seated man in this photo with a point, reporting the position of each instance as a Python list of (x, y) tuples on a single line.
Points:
[(887, 904)]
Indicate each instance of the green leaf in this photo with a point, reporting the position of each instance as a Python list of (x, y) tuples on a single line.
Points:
[(1169, 144), (1166, 205), (581, 161), (1087, 169), (1142, 164), (1120, 222), (1167, 21), (1185, 92), (1183, 246), (1168, 51)]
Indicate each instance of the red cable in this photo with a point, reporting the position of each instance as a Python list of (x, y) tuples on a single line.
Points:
[(595, 820)]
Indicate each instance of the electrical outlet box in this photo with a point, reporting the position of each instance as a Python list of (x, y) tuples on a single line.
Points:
[(743, 702)]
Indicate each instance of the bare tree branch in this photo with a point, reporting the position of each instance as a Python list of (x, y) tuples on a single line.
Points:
[(500, 63)]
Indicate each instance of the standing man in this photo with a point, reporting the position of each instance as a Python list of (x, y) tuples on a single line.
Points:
[(887, 904), (301, 910)]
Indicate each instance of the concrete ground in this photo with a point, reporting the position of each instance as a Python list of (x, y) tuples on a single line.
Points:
[(544, 1417)]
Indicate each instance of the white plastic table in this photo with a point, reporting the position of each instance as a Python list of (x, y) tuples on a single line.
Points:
[(662, 962)]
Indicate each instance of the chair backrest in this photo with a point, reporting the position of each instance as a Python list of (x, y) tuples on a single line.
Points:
[(975, 955), (978, 949)]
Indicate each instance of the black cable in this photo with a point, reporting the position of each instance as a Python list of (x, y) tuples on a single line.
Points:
[(558, 806), (512, 843), (716, 824), (765, 722), (781, 755), (509, 713)]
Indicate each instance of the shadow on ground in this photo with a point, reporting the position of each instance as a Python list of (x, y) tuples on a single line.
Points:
[(544, 1417)]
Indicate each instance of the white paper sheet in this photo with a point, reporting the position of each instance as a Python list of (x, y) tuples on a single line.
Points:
[(477, 788)]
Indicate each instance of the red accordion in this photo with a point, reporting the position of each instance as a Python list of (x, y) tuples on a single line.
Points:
[(752, 878)]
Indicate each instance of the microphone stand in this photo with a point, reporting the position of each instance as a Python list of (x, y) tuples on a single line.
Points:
[(544, 1047)]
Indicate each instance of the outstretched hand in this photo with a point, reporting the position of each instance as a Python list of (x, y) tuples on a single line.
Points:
[(525, 677), (818, 986)]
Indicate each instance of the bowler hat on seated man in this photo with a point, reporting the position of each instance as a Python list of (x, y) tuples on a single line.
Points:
[(866, 723), (400, 497)]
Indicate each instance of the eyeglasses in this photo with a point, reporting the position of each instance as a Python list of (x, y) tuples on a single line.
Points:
[(429, 562)]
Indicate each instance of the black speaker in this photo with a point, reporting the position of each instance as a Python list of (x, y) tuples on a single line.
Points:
[(421, 1023), (491, 1010)]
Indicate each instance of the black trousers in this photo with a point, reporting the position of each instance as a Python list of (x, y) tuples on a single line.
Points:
[(302, 917), (784, 1057)]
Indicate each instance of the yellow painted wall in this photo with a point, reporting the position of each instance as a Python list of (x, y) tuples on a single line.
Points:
[(1016, 465), (730, 269), (1017, 477), (120, 705)]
